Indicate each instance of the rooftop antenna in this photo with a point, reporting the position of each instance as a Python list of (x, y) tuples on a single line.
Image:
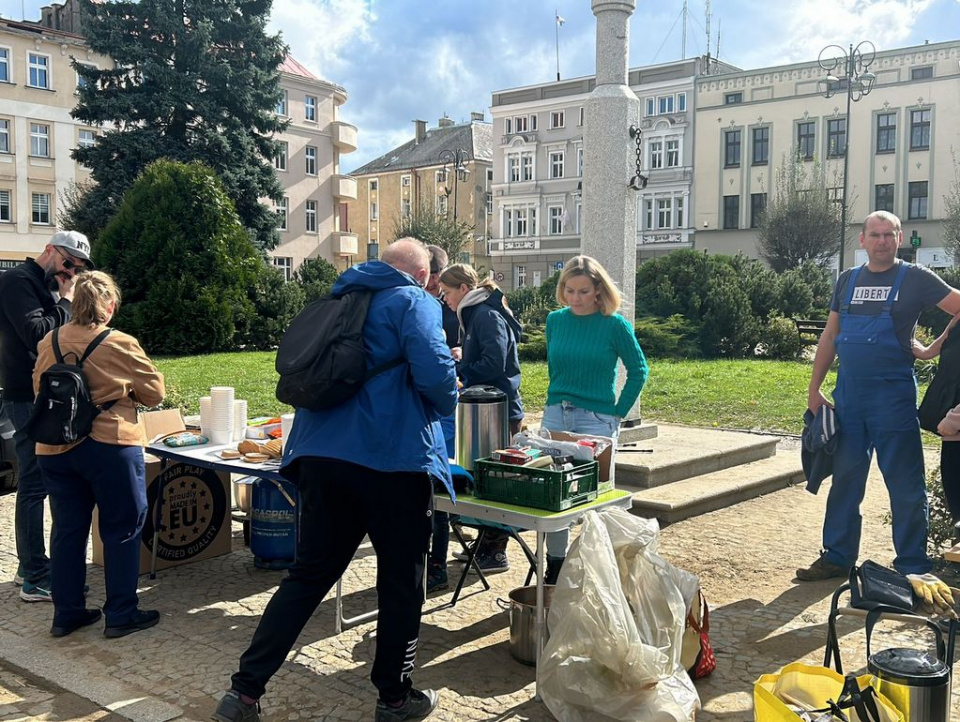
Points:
[(719, 25), (707, 70), (683, 46)]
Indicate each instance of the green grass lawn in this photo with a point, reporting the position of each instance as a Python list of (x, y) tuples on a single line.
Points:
[(736, 394)]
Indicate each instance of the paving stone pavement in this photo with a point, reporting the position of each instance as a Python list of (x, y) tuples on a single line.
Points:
[(745, 555)]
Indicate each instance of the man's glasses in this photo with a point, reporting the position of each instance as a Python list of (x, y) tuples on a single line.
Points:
[(69, 264)]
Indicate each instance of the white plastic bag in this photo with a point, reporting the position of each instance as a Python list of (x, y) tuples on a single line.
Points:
[(616, 620)]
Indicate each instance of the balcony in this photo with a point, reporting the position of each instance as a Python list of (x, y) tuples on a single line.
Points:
[(344, 244), (344, 136), (344, 187)]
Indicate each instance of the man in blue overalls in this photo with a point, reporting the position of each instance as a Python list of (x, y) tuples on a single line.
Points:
[(873, 315)]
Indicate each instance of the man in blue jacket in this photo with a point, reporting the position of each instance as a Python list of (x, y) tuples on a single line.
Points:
[(365, 468)]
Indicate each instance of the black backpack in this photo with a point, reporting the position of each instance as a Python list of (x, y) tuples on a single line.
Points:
[(63, 411), (321, 359)]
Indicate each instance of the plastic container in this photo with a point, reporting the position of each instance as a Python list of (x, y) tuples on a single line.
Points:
[(538, 488), (273, 524)]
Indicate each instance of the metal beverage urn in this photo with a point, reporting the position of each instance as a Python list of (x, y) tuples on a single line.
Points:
[(482, 425)]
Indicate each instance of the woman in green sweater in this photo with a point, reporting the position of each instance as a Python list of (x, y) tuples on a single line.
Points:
[(585, 342)]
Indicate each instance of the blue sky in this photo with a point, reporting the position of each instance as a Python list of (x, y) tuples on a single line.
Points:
[(406, 59)]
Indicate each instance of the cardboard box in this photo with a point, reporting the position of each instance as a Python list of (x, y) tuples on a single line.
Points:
[(606, 481), (195, 521)]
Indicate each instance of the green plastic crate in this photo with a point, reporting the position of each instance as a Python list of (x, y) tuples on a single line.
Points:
[(538, 488)]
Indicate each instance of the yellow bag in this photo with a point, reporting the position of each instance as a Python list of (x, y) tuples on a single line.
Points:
[(814, 688)]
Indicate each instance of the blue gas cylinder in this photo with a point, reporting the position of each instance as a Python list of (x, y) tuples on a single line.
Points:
[(273, 524)]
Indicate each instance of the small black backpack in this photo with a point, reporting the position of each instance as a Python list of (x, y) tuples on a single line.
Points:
[(63, 411), (321, 359)]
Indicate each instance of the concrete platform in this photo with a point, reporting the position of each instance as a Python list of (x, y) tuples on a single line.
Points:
[(717, 490), (640, 432), (681, 452)]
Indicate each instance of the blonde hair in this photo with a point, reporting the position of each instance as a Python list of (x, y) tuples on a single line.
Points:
[(609, 295), (92, 295), (462, 274)]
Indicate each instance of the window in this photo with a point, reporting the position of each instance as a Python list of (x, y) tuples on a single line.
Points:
[(806, 139), (761, 146), (556, 164), (678, 212), (924, 73), (285, 265), (732, 98), (651, 106), (919, 130), (40, 205), (282, 104), (665, 104), (405, 208), (579, 162), (681, 102), (310, 217), (883, 197), (86, 138), (836, 137), (758, 204), (281, 210), (280, 159), (918, 200), (507, 126), (520, 124), (442, 205), (673, 153), (373, 211), (310, 160), (404, 181), (557, 119), (521, 226), (310, 108), (6, 214), (39, 71), (656, 154), (556, 220), (526, 170), (886, 132), (40, 140), (731, 212), (731, 148), (580, 123), (4, 65), (513, 167), (4, 136), (440, 177), (664, 212), (521, 276), (519, 221), (533, 122)]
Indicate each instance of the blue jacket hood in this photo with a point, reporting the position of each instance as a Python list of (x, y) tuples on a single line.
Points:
[(371, 276)]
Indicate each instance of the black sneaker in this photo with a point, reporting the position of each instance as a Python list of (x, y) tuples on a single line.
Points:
[(89, 616), (142, 619), (822, 569), (436, 578), (233, 709), (491, 562), (417, 705)]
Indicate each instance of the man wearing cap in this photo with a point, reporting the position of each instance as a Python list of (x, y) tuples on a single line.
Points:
[(35, 298), (873, 315)]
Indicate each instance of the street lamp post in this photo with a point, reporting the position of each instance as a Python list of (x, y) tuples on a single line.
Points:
[(457, 158), (857, 81)]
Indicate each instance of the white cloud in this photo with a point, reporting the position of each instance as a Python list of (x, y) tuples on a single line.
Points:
[(320, 32)]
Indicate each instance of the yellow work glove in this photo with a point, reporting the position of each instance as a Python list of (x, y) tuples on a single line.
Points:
[(932, 591)]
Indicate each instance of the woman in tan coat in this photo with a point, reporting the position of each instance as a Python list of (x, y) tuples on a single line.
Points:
[(105, 469)]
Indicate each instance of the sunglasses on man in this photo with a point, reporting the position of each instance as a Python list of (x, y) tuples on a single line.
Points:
[(69, 264)]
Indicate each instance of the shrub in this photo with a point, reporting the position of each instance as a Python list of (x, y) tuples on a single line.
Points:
[(276, 303), (316, 277), (673, 337), (933, 318), (779, 339), (533, 349)]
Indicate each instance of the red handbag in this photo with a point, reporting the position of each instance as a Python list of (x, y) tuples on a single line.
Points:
[(697, 638)]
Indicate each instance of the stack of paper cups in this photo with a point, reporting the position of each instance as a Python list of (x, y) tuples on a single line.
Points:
[(286, 426), (239, 419), (206, 415), (221, 406)]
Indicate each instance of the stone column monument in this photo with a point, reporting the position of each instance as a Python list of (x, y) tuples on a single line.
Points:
[(609, 231)]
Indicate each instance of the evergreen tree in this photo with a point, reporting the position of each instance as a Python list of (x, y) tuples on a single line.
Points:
[(194, 80)]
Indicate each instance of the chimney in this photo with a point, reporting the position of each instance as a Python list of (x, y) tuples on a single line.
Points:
[(421, 130), (445, 122), (476, 117)]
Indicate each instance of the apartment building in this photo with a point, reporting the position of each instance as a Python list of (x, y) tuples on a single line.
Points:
[(538, 169), (900, 139), (37, 91), (313, 211), (447, 169)]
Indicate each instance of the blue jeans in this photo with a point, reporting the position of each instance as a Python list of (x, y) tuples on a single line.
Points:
[(567, 417), (31, 491), (112, 478)]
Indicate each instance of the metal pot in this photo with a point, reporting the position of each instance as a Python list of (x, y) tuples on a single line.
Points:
[(243, 493), (482, 425), (523, 621)]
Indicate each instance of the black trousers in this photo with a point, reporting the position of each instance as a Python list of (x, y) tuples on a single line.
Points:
[(339, 503), (950, 476)]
